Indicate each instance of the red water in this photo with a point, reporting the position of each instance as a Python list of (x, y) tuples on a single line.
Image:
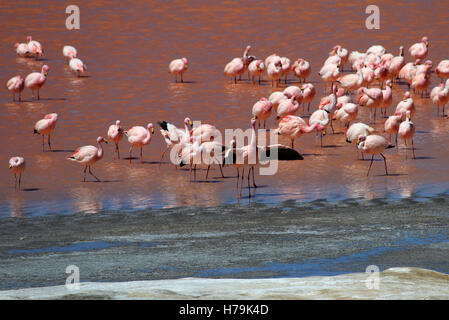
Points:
[(127, 48)]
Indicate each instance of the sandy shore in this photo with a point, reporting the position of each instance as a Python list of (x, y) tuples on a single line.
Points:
[(394, 283)]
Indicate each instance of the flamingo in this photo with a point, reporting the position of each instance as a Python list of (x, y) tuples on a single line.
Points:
[(340, 52), (247, 59), (322, 116), (211, 153), (69, 52), (287, 107), (272, 58), (406, 104), (347, 113), (206, 132), (374, 144), (294, 127), (387, 96), (440, 95), (234, 68), (355, 59), (442, 70), (376, 49), (301, 69), (139, 137), (368, 75), (419, 50), (17, 165), (34, 47), (274, 71), (371, 98), (352, 81), (407, 131), (16, 85), (392, 124), (175, 136), (35, 80), (115, 134), (256, 68), (286, 67), (408, 71), (46, 126), (396, 64), (308, 94), (88, 156), (294, 91), (22, 49), (329, 73), (77, 66), (262, 110), (421, 82), (276, 98), (357, 130), (178, 66)]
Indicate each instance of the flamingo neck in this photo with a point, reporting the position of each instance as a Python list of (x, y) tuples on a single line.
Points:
[(100, 150), (148, 138)]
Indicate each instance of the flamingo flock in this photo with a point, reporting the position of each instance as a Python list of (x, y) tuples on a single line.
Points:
[(369, 86)]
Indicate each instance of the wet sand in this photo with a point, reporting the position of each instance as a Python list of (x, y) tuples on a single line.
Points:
[(258, 241)]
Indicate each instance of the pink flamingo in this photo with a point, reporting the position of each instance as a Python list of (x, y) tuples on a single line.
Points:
[(421, 82), (368, 75), (356, 59), (77, 66), (46, 126), (351, 81), (419, 50), (308, 94), (342, 53), (287, 107), (357, 130), (272, 58), (374, 144), (35, 80), (371, 98), (256, 68), (442, 70), (262, 110), (440, 95), (286, 67), (139, 137), (275, 98), (407, 131), (329, 73), (396, 64), (178, 66), (376, 49), (408, 71), (34, 47), (274, 71), (88, 156), (322, 116), (406, 104), (234, 68), (22, 49), (301, 69), (205, 132), (294, 91), (69, 52), (115, 134), (16, 85), (387, 96), (347, 113), (294, 127), (17, 165), (392, 124)]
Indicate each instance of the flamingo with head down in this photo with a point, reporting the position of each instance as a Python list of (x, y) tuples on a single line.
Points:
[(17, 165)]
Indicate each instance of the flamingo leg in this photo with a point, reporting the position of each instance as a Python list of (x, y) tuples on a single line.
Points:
[(221, 170), (163, 153), (141, 154), (84, 180), (238, 177), (182, 80), (130, 153), (20, 179), (43, 142), (118, 151), (15, 181), (207, 172), (385, 162), (249, 187), (13, 96), (371, 163), (241, 184), (38, 97), (93, 175), (413, 150), (49, 144), (254, 181)]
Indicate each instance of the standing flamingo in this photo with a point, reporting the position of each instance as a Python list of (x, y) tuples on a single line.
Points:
[(22, 49), (301, 69), (387, 96), (234, 68), (287, 107), (139, 137), (440, 95), (275, 98), (256, 69), (34, 47), (392, 124), (374, 144), (262, 110), (115, 134), (406, 104), (329, 73), (419, 50), (16, 85), (178, 66), (88, 156), (46, 126), (274, 71), (342, 53), (206, 132), (442, 70), (396, 64), (308, 94), (352, 81), (407, 131), (285, 67), (77, 66), (69, 52), (322, 116), (175, 136), (371, 98), (294, 127), (17, 165), (35, 80)]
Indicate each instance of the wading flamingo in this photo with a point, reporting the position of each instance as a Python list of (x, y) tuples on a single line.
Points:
[(287, 107), (442, 70), (22, 50), (274, 71), (357, 130), (301, 69), (16, 85), (139, 137), (115, 134), (77, 66), (69, 52), (308, 94), (256, 69), (46, 126), (294, 127), (34, 47), (374, 144), (175, 136), (419, 50), (407, 131), (17, 165), (440, 95), (35, 80), (88, 156), (392, 124), (406, 104), (262, 110), (276, 98), (178, 66)]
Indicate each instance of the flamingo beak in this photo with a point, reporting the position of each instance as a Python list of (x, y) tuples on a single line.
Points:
[(10, 166), (427, 44), (105, 141), (191, 123), (255, 118), (324, 132), (152, 130)]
